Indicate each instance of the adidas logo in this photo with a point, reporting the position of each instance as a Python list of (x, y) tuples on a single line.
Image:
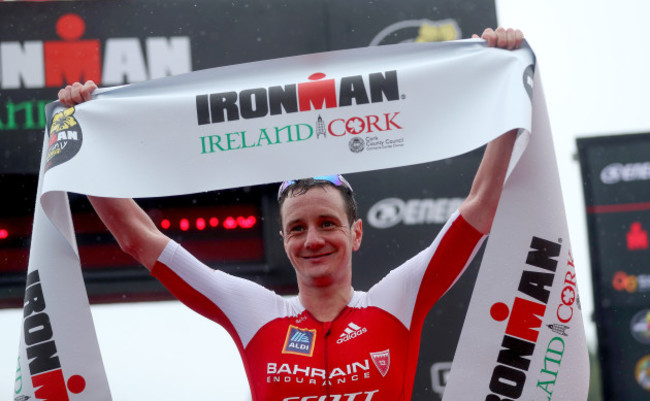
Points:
[(350, 332)]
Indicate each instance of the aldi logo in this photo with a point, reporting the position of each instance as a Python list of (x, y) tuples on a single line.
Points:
[(299, 341)]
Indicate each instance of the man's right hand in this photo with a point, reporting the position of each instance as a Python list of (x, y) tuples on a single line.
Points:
[(76, 93), (133, 229)]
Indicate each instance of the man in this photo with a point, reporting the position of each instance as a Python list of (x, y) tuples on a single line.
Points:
[(329, 342)]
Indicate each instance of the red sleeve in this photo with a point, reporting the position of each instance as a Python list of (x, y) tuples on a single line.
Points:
[(453, 254), (409, 291)]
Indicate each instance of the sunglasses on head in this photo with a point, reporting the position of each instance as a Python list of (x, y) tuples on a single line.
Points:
[(337, 180)]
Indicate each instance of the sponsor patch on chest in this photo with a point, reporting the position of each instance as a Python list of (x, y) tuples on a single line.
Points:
[(381, 360), (299, 341)]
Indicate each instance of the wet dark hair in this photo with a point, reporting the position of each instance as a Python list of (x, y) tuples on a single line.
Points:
[(302, 186)]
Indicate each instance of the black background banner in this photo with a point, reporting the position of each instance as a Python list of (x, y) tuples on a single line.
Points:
[(126, 41), (616, 177)]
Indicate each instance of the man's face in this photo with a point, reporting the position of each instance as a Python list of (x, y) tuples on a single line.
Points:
[(318, 238)]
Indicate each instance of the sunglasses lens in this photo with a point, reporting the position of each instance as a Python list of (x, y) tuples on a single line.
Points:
[(284, 186), (336, 180)]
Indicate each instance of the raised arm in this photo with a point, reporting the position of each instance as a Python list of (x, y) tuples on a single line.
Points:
[(134, 231), (481, 204), (132, 228)]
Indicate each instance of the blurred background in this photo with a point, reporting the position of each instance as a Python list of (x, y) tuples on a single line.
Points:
[(594, 66)]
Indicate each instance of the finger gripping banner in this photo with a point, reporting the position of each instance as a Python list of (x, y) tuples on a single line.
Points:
[(338, 112)]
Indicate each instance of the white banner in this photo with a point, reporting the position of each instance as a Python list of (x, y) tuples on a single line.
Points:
[(59, 355), (336, 112), (523, 336)]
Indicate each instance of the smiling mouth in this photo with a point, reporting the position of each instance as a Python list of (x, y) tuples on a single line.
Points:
[(321, 255)]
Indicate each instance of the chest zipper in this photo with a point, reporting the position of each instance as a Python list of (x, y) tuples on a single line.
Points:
[(327, 326)]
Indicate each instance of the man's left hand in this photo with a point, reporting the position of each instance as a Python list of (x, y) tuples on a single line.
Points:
[(502, 38)]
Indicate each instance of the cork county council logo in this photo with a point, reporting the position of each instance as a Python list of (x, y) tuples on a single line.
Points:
[(64, 138), (356, 145)]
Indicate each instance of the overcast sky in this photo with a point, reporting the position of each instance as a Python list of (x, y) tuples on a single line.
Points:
[(594, 65), (595, 70)]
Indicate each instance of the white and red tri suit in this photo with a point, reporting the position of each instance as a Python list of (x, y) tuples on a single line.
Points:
[(368, 353)]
